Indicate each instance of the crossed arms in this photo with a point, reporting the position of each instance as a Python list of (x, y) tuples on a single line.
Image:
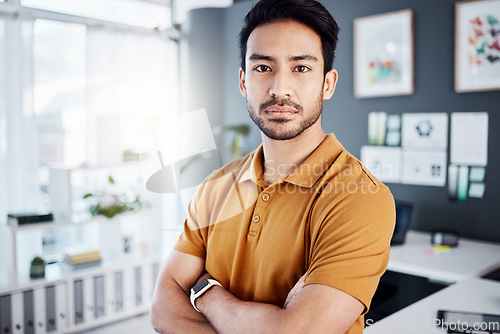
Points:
[(314, 309)]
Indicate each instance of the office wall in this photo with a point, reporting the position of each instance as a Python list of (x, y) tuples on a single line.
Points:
[(347, 117)]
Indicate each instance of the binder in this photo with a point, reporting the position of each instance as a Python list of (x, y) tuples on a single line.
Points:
[(40, 311), (50, 308), (61, 307), (119, 295), (129, 289), (78, 300), (99, 296), (138, 286), (110, 292), (17, 313), (5, 314), (29, 312), (156, 271), (88, 300), (147, 280)]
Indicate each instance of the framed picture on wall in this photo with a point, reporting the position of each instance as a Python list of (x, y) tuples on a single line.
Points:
[(383, 54), (477, 46)]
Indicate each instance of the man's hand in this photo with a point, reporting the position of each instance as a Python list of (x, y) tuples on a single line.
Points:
[(171, 311), (315, 308), (296, 289)]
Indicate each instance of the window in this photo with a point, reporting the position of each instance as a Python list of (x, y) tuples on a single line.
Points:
[(59, 90), (133, 12), (80, 91), (3, 122)]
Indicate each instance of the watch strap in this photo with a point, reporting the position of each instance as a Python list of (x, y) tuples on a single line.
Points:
[(210, 283)]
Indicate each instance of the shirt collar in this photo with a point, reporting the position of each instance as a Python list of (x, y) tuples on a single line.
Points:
[(253, 171), (307, 174), (318, 162)]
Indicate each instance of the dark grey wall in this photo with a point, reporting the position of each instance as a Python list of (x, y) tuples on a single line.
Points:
[(347, 116), (202, 71)]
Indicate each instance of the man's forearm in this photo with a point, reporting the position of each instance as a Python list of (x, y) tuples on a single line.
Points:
[(172, 312), (228, 314)]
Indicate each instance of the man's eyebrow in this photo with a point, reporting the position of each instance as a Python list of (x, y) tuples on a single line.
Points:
[(257, 56), (303, 57)]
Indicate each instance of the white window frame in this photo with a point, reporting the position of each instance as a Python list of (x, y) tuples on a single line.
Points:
[(18, 172)]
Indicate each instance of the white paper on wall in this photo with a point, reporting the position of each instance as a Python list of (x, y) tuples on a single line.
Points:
[(426, 168), (383, 162), (429, 130), (469, 138)]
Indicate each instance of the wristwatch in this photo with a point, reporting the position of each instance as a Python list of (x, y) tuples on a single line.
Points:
[(199, 289)]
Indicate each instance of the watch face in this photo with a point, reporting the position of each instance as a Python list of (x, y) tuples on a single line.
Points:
[(198, 287)]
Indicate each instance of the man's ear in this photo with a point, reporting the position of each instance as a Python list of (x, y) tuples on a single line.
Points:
[(243, 88), (331, 78)]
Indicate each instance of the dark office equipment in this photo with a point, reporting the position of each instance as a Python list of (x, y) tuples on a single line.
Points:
[(444, 238), (15, 219), (403, 219), (467, 321), (493, 274), (397, 291)]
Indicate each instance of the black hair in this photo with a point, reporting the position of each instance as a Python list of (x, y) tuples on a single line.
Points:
[(308, 12)]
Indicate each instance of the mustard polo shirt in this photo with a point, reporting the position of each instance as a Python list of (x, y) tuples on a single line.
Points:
[(330, 218)]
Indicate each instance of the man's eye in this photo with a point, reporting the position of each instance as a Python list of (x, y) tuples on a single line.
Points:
[(262, 68), (301, 69)]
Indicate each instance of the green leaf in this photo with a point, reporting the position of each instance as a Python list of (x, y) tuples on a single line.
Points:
[(111, 180), (88, 195)]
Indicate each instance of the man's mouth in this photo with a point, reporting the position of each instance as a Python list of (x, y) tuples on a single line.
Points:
[(280, 110)]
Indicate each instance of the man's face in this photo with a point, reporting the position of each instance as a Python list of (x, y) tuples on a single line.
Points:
[(284, 82)]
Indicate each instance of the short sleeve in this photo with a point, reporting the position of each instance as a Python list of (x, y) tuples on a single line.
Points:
[(192, 240), (350, 242)]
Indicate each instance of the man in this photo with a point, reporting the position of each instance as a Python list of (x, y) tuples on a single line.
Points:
[(294, 237)]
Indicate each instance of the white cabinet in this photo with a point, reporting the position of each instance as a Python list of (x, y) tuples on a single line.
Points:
[(69, 300), (80, 301)]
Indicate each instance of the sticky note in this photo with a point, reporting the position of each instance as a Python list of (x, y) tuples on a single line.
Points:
[(477, 174), (476, 190)]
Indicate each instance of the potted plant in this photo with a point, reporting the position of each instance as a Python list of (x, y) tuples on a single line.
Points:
[(37, 268), (111, 202)]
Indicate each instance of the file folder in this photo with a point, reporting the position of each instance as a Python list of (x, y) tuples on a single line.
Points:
[(78, 289), (99, 296), (138, 286), (61, 307), (29, 312), (17, 313), (50, 308), (119, 291), (5, 314), (88, 300), (40, 311)]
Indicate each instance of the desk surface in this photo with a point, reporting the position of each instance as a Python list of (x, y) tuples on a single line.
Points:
[(470, 259), (470, 295)]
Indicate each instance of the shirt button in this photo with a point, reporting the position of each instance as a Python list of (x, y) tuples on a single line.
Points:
[(265, 197), (256, 219)]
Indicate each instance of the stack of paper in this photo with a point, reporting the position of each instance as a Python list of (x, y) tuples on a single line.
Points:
[(79, 255)]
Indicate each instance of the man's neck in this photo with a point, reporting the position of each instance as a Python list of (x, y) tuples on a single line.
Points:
[(283, 157)]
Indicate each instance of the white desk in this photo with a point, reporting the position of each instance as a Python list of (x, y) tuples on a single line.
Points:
[(470, 295), (469, 259)]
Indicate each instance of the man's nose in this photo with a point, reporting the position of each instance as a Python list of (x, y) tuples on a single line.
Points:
[(281, 85)]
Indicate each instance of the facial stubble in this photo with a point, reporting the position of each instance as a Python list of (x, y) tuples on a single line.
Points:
[(280, 130)]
